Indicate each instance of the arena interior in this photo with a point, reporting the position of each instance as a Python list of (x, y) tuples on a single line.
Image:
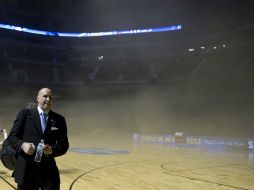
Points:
[(180, 92)]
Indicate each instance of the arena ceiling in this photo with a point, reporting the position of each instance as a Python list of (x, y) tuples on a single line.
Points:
[(203, 21), (98, 15)]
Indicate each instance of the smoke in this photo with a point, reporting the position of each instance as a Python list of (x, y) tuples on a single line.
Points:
[(193, 109)]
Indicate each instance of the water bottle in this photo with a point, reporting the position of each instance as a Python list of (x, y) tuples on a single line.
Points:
[(39, 151)]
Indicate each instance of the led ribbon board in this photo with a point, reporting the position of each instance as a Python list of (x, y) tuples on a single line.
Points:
[(91, 34)]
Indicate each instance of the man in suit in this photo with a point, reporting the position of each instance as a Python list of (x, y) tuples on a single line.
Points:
[(30, 126)]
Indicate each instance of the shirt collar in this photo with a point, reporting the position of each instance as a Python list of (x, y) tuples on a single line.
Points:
[(41, 111)]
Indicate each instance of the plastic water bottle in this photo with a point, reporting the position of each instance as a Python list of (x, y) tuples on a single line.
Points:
[(39, 151)]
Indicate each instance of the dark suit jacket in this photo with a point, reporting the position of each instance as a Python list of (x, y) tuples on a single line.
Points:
[(27, 128)]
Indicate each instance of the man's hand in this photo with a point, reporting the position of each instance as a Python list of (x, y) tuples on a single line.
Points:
[(47, 149), (28, 148)]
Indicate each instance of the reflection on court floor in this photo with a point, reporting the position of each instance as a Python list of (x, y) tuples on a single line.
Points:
[(98, 151)]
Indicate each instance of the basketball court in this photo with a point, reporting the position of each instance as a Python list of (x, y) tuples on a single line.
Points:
[(112, 162)]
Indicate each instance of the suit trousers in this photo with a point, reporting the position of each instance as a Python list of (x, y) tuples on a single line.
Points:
[(39, 180), (40, 187)]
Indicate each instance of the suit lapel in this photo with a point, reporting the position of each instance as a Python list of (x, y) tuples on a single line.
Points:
[(36, 120), (49, 124)]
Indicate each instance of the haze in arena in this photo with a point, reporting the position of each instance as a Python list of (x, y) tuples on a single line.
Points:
[(156, 94)]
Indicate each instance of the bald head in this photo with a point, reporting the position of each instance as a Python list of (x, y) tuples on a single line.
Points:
[(43, 90), (44, 99)]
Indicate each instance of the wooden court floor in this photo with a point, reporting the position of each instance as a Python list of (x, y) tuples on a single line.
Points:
[(146, 167)]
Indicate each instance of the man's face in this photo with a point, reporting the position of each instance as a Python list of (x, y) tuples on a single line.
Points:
[(44, 99)]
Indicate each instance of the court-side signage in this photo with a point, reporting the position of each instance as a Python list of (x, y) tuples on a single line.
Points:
[(179, 139), (251, 145)]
